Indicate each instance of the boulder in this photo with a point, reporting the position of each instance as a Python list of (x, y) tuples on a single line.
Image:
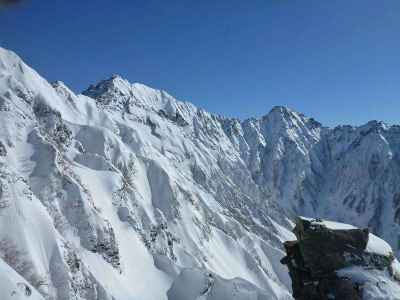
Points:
[(322, 248), (325, 250)]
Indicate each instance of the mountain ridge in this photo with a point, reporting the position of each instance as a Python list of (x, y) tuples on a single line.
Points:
[(126, 178), (282, 109), (128, 193)]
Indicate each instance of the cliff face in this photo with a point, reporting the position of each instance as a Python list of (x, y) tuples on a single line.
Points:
[(331, 260), (127, 193), (105, 191), (349, 174)]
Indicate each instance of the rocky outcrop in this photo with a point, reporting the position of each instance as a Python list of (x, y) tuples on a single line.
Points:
[(323, 249)]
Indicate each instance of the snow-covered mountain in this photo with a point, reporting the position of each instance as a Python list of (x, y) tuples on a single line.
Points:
[(124, 192)]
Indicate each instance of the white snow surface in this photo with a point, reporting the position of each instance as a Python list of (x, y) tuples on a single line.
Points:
[(124, 192), (90, 229), (377, 285), (14, 287)]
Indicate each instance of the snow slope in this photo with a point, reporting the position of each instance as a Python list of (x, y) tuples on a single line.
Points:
[(14, 287), (348, 174), (117, 193), (122, 191)]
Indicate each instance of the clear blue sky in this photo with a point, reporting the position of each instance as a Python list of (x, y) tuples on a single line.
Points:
[(338, 61)]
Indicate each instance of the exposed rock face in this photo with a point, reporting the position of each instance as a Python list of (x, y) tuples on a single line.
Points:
[(348, 173), (323, 249)]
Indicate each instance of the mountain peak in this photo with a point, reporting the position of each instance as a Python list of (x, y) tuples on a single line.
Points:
[(114, 84), (376, 124), (280, 108), (62, 89), (282, 114), (118, 92), (285, 114), (139, 176)]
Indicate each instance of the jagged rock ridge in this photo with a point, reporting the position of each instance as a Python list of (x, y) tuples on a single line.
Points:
[(123, 185)]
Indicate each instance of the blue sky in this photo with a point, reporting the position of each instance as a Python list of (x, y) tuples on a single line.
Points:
[(337, 61)]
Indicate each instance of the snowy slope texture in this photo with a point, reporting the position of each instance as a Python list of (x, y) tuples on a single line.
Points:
[(348, 174), (125, 193)]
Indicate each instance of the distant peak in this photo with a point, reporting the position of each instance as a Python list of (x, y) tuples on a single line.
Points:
[(60, 85), (280, 108), (289, 118), (281, 112), (115, 76), (376, 123), (114, 85), (117, 91), (374, 126), (114, 80)]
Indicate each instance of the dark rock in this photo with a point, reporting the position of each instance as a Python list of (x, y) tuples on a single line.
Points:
[(176, 118), (153, 126), (324, 250), (319, 252), (3, 150), (124, 214)]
